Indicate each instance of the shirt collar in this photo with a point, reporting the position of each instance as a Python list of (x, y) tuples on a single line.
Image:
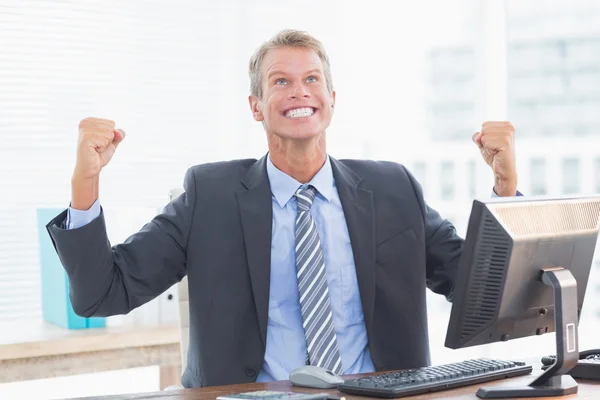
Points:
[(284, 186)]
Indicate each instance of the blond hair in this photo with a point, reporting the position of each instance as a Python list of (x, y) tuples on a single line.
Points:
[(286, 38)]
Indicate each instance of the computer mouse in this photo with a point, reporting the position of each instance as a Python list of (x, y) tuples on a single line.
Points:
[(315, 377)]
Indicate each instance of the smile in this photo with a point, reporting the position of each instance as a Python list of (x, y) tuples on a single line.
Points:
[(300, 112)]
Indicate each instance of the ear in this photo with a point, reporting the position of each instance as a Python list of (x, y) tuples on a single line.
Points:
[(333, 99), (255, 108)]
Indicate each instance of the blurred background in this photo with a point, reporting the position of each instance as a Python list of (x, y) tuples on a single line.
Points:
[(414, 81)]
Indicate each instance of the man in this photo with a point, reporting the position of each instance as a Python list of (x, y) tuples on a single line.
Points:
[(291, 259)]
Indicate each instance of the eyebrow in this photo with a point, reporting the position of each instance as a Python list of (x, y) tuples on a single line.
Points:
[(278, 72)]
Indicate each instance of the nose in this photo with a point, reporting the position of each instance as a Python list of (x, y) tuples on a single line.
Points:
[(298, 91)]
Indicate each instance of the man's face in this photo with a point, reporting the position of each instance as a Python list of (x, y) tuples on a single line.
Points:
[(295, 103)]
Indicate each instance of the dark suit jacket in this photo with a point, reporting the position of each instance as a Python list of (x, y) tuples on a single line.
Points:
[(219, 234)]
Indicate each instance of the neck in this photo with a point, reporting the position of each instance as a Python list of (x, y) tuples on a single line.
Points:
[(300, 159)]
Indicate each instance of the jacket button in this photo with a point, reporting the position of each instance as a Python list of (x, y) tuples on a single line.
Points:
[(250, 372)]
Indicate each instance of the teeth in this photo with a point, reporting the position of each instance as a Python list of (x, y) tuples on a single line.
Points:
[(300, 112)]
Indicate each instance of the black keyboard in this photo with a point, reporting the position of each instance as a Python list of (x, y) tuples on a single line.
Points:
[(434, 378)]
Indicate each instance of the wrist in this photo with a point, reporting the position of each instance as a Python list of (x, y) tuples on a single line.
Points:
[(505, 187), (84, 191)]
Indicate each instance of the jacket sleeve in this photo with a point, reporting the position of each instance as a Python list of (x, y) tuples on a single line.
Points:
[(443, 247), (108, 280)]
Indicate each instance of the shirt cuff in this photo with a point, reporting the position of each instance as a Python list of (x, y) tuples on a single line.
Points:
[(495, 195), (78, 218)]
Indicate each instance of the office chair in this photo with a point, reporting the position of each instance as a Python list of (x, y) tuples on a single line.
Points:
[(184, 320), (182, 299)]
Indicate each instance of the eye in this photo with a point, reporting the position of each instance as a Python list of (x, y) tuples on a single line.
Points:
[(280, 81), (311, 79)]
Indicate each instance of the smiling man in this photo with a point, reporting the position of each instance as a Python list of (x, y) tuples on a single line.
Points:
[(296, 258)]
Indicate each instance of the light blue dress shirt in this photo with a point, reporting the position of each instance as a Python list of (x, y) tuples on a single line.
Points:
[(286, 343)]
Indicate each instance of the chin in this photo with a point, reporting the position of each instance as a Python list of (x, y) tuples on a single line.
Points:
[(305, 132), (297, 132), (301, 134)]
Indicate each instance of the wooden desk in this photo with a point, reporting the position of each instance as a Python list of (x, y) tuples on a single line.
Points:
[(587, 390), (34, 350)]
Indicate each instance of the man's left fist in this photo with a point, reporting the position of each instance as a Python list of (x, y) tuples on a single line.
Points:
[(496, 142)]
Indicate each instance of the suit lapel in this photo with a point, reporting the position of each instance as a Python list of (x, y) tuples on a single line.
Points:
[(256, 212), (358, 209)]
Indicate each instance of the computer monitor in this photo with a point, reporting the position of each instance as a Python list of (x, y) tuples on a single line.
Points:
[(524, 270)]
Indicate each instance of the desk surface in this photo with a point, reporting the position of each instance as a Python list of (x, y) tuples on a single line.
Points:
[(37, 338), (35, 349), (587, 390)]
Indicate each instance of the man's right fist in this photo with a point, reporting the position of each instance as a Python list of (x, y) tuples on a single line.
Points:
[(98, 141)]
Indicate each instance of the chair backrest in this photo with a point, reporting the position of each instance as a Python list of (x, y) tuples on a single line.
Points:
[(184, 321), (184, 304)]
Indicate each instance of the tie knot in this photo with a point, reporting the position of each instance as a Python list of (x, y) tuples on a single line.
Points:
[(305, 196)]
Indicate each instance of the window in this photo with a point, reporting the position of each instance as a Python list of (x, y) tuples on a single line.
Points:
[(140, 64), (472, 178), (447, 180), (570, 176), (553, 80), (538, 177)]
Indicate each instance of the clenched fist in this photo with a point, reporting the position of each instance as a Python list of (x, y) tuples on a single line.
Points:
[(98, 141), (496, 142)]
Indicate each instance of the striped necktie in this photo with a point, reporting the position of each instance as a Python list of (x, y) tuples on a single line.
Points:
[(321, 341)]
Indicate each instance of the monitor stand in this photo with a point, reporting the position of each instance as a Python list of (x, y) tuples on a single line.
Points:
[(554, 381)]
